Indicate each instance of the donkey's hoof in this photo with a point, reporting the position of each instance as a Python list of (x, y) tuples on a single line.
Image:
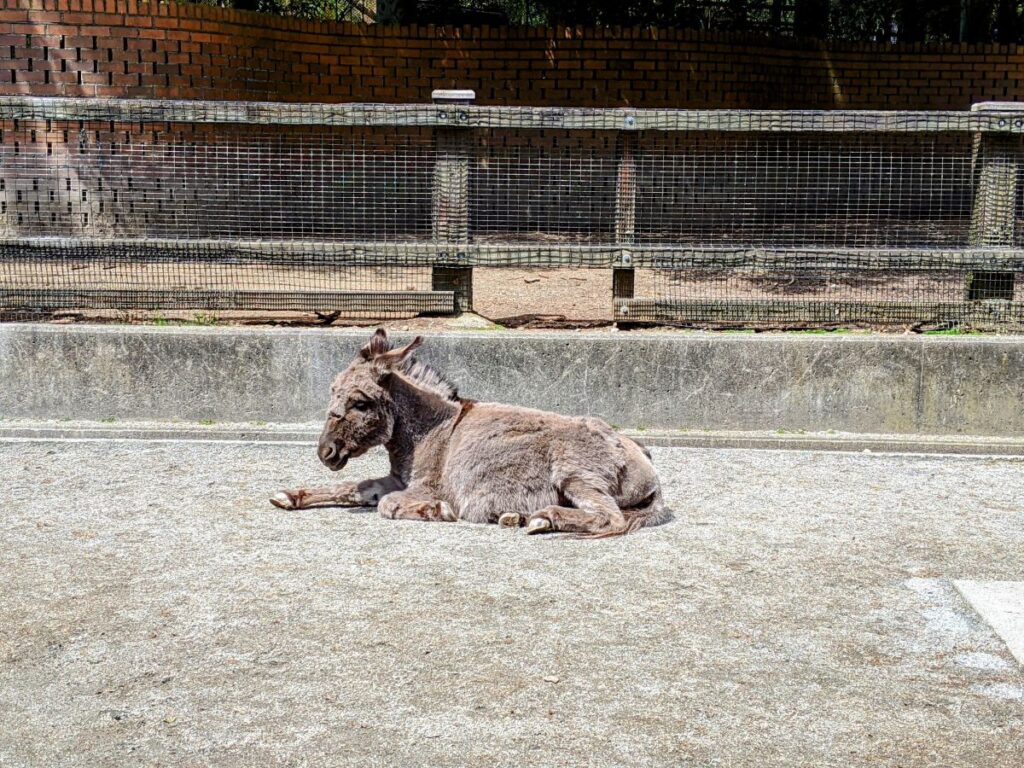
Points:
[(538, 525), (282, 500), (510, 520), (447, 513)]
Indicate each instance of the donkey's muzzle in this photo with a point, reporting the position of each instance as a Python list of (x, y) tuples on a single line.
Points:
[(330, 455)]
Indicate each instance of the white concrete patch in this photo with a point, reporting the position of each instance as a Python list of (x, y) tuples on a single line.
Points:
[(945, 627), (1005, 691), (1001, 605), (985, 661)]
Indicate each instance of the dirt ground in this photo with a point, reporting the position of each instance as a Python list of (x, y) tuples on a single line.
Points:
[(797, 611), (502, 294), (576, 294)]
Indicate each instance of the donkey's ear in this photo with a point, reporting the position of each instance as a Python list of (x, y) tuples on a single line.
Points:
[(377, 345), (396, 356)]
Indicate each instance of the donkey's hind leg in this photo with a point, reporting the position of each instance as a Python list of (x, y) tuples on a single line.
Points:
[(361, 494), (595, 513)]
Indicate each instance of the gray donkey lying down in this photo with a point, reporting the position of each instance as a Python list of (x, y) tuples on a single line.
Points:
[(455, 459)]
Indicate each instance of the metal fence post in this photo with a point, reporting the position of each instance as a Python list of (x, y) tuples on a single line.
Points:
[(453, 151), (997, 166), (623, 276)]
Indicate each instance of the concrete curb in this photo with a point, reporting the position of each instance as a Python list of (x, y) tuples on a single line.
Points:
[(306, 434), (911, 386)]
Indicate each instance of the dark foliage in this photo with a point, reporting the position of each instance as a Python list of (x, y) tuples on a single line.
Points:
[(854, 20)]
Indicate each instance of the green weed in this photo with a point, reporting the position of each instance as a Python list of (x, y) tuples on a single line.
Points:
[(952, 332)]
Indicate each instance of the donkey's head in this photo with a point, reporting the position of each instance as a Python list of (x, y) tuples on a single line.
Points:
[(361, 416)]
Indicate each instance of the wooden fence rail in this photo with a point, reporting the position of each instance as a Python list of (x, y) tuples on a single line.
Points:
[(991, 248)]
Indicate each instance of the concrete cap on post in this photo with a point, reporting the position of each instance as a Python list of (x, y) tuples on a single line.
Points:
[(998, 106), (442, 96)]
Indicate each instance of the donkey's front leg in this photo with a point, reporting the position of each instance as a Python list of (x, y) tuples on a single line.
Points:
[(362, 494), (416, 503)]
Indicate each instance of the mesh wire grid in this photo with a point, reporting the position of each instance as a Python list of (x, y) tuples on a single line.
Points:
[(824, 230), (152, 216), (728, 226)]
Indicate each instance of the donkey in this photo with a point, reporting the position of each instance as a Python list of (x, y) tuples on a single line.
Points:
[(457, 459)]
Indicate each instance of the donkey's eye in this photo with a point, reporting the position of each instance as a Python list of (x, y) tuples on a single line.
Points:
[(361, 405)]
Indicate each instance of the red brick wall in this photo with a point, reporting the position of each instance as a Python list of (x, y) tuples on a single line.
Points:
[(163, 50)]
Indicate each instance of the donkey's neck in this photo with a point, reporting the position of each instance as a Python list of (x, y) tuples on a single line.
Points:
[(418, 413)]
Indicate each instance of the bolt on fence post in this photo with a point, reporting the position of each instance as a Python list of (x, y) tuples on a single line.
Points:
[(625, 223), (453, 150), (996, 160)]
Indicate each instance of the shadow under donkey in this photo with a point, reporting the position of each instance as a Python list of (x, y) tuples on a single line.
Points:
[(457, 459)]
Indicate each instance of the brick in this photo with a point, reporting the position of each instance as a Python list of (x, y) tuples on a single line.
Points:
[(211, 52)]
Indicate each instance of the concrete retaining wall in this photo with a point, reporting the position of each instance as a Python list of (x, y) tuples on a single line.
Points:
[(849, 383)]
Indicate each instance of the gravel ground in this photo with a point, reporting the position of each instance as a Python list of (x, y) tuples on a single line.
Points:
[(798, 610)]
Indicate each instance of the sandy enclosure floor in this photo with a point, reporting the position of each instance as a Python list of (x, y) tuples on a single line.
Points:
[(798, 610), (499, 293), (578, 294)]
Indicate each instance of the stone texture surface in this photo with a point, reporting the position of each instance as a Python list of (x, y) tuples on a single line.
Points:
[(798, 610), (1001, 605), (657, 380)]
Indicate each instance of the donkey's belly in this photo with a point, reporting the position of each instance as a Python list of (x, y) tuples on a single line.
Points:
[(504, 459), (486, 505), (482, 488)]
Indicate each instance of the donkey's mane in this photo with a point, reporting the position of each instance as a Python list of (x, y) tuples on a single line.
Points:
[(420, 374), (429, 378)]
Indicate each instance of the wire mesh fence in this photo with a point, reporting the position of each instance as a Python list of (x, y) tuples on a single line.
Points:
[(705, 217)]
